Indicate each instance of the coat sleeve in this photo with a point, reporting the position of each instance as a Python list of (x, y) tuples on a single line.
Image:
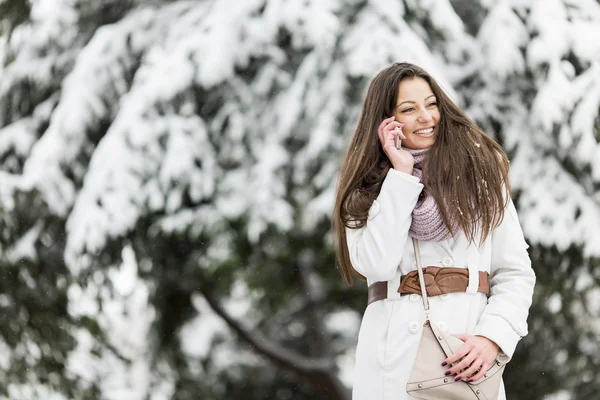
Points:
[(377, 248), (504, 318)]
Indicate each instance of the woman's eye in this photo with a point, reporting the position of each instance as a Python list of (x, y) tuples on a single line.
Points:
[(432, 104), (407, 110)]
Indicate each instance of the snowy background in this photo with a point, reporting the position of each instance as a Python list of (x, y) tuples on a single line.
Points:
[(167, 178)]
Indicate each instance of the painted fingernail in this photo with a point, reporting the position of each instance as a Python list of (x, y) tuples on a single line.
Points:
[(458, 378), (470, 380), (448, 373), (444, 364)]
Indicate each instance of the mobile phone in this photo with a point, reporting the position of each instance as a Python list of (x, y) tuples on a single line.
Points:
[(398, 142)]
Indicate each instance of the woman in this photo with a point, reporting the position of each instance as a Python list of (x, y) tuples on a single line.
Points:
[(447, 187)]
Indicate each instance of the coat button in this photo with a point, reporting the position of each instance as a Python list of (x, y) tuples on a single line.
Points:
[(413, 327), (414, 297), (445, 296), (447, 262), (442, 325)]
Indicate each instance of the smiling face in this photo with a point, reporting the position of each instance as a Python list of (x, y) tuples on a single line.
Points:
[(417, 109)]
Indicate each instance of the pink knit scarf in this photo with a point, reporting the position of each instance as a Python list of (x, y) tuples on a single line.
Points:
[(427, 223)]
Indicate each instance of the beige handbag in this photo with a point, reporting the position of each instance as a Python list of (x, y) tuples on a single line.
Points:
[(427, 378)]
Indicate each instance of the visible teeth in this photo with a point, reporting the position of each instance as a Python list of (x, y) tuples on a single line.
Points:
[(428, 130)]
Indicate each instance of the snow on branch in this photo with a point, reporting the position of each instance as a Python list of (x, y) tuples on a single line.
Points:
[(102, 69), (270, 349)]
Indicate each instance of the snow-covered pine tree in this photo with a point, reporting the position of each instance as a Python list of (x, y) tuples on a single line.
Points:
[(170, 167), (168, 172), (537, 88)]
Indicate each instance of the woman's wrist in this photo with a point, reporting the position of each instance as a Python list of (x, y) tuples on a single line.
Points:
[(491, 342), (405, 169)]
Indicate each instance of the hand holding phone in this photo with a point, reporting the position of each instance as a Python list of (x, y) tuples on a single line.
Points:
[(390, 136)]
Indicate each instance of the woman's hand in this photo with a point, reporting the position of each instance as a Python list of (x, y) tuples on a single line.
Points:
[(401, 160), (477, 354)]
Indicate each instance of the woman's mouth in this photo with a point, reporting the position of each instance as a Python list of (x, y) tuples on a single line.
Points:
[(427, 132)]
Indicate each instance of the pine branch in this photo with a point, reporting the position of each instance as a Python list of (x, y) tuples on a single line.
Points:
[(269, 348), (318, 370)]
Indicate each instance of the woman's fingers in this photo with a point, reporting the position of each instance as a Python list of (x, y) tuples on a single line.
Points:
[(463, 351), (387, 124), (400, 133), (463, 365), (480, 374), (475, 368), (389, 132), (462, 336), (393, 132), (473, 358), (383, 125)]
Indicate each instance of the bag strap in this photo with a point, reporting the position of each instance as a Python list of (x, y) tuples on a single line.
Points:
[(421, 277)]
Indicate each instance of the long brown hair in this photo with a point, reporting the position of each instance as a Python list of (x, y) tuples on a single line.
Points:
[(465, 170)]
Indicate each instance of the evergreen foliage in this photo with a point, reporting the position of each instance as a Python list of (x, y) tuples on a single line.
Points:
[(168, 171)]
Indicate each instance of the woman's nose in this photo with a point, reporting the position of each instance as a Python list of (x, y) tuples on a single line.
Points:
[(424, 116)]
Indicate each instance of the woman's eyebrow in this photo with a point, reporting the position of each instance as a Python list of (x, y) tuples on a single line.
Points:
[(412, 102)]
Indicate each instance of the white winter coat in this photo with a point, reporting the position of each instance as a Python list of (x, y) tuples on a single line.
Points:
[(391, 329)]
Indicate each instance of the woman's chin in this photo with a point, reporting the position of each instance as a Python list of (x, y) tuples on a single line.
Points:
[(420, 143)]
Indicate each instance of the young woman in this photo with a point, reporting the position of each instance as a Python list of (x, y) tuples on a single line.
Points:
[(447, 187)]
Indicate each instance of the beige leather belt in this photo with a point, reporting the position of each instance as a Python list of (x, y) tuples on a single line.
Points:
[(438, 281)]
